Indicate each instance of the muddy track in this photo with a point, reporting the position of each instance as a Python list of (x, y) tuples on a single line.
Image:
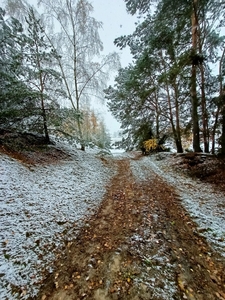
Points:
[(140, 244)]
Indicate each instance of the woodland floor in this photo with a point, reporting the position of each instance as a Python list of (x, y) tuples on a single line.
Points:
[(140, 244)]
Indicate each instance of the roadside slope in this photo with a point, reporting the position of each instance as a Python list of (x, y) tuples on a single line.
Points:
[(45, 195)]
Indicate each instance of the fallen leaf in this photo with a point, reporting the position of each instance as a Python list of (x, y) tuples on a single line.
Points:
[(219, 296), (181, 283)]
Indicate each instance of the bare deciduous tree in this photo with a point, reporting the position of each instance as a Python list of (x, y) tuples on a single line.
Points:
[(84, 70)]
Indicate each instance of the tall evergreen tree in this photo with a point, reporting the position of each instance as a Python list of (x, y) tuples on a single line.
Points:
[(183, 57), (17, 103), (42, 77)]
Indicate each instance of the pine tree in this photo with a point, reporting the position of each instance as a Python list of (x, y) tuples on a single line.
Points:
[(17, 103), (41, 73), (183, 59)]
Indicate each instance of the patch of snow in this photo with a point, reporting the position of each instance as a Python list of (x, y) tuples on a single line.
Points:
[(117, 152), (40, 207)]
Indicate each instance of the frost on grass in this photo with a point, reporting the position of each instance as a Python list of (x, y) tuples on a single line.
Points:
[(205, 205), (40, 207)]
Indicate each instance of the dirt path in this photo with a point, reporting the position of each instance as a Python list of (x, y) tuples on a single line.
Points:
[(140, 244)]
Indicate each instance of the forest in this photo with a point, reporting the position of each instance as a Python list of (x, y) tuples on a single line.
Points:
[(175, 83), (107, 223), (51, 70), (52, 67)]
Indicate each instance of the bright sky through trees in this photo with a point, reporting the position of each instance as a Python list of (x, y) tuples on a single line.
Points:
[(116, 22)]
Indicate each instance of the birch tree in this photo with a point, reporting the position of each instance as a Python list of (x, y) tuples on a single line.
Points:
[(84, 70)]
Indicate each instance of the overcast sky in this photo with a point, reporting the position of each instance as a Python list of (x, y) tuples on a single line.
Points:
[(116, 22)]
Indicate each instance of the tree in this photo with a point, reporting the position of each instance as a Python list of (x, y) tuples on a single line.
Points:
[(221, 106), (179, 20), (185, 58), (71, 46), (27, 79), (133, 106), (94, 129), (83, 71), (152, 46), (17, 100), (41, 76), (194, 97), (102, 136)]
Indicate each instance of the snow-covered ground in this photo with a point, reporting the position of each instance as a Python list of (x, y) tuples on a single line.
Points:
[(40, 207), (205, 205)]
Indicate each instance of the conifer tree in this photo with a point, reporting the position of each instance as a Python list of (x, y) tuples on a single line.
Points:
[(17, 103), (42, 76), (184, 59)]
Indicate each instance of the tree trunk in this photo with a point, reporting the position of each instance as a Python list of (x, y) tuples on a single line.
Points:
[(176, 131), (157, 114), (42, 86), (222, 104), (195, 124), (82, 144), (204, 112), (47, 139), (178, 134), (214, 130), (222, 138), (205, 120), (194, 98)]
